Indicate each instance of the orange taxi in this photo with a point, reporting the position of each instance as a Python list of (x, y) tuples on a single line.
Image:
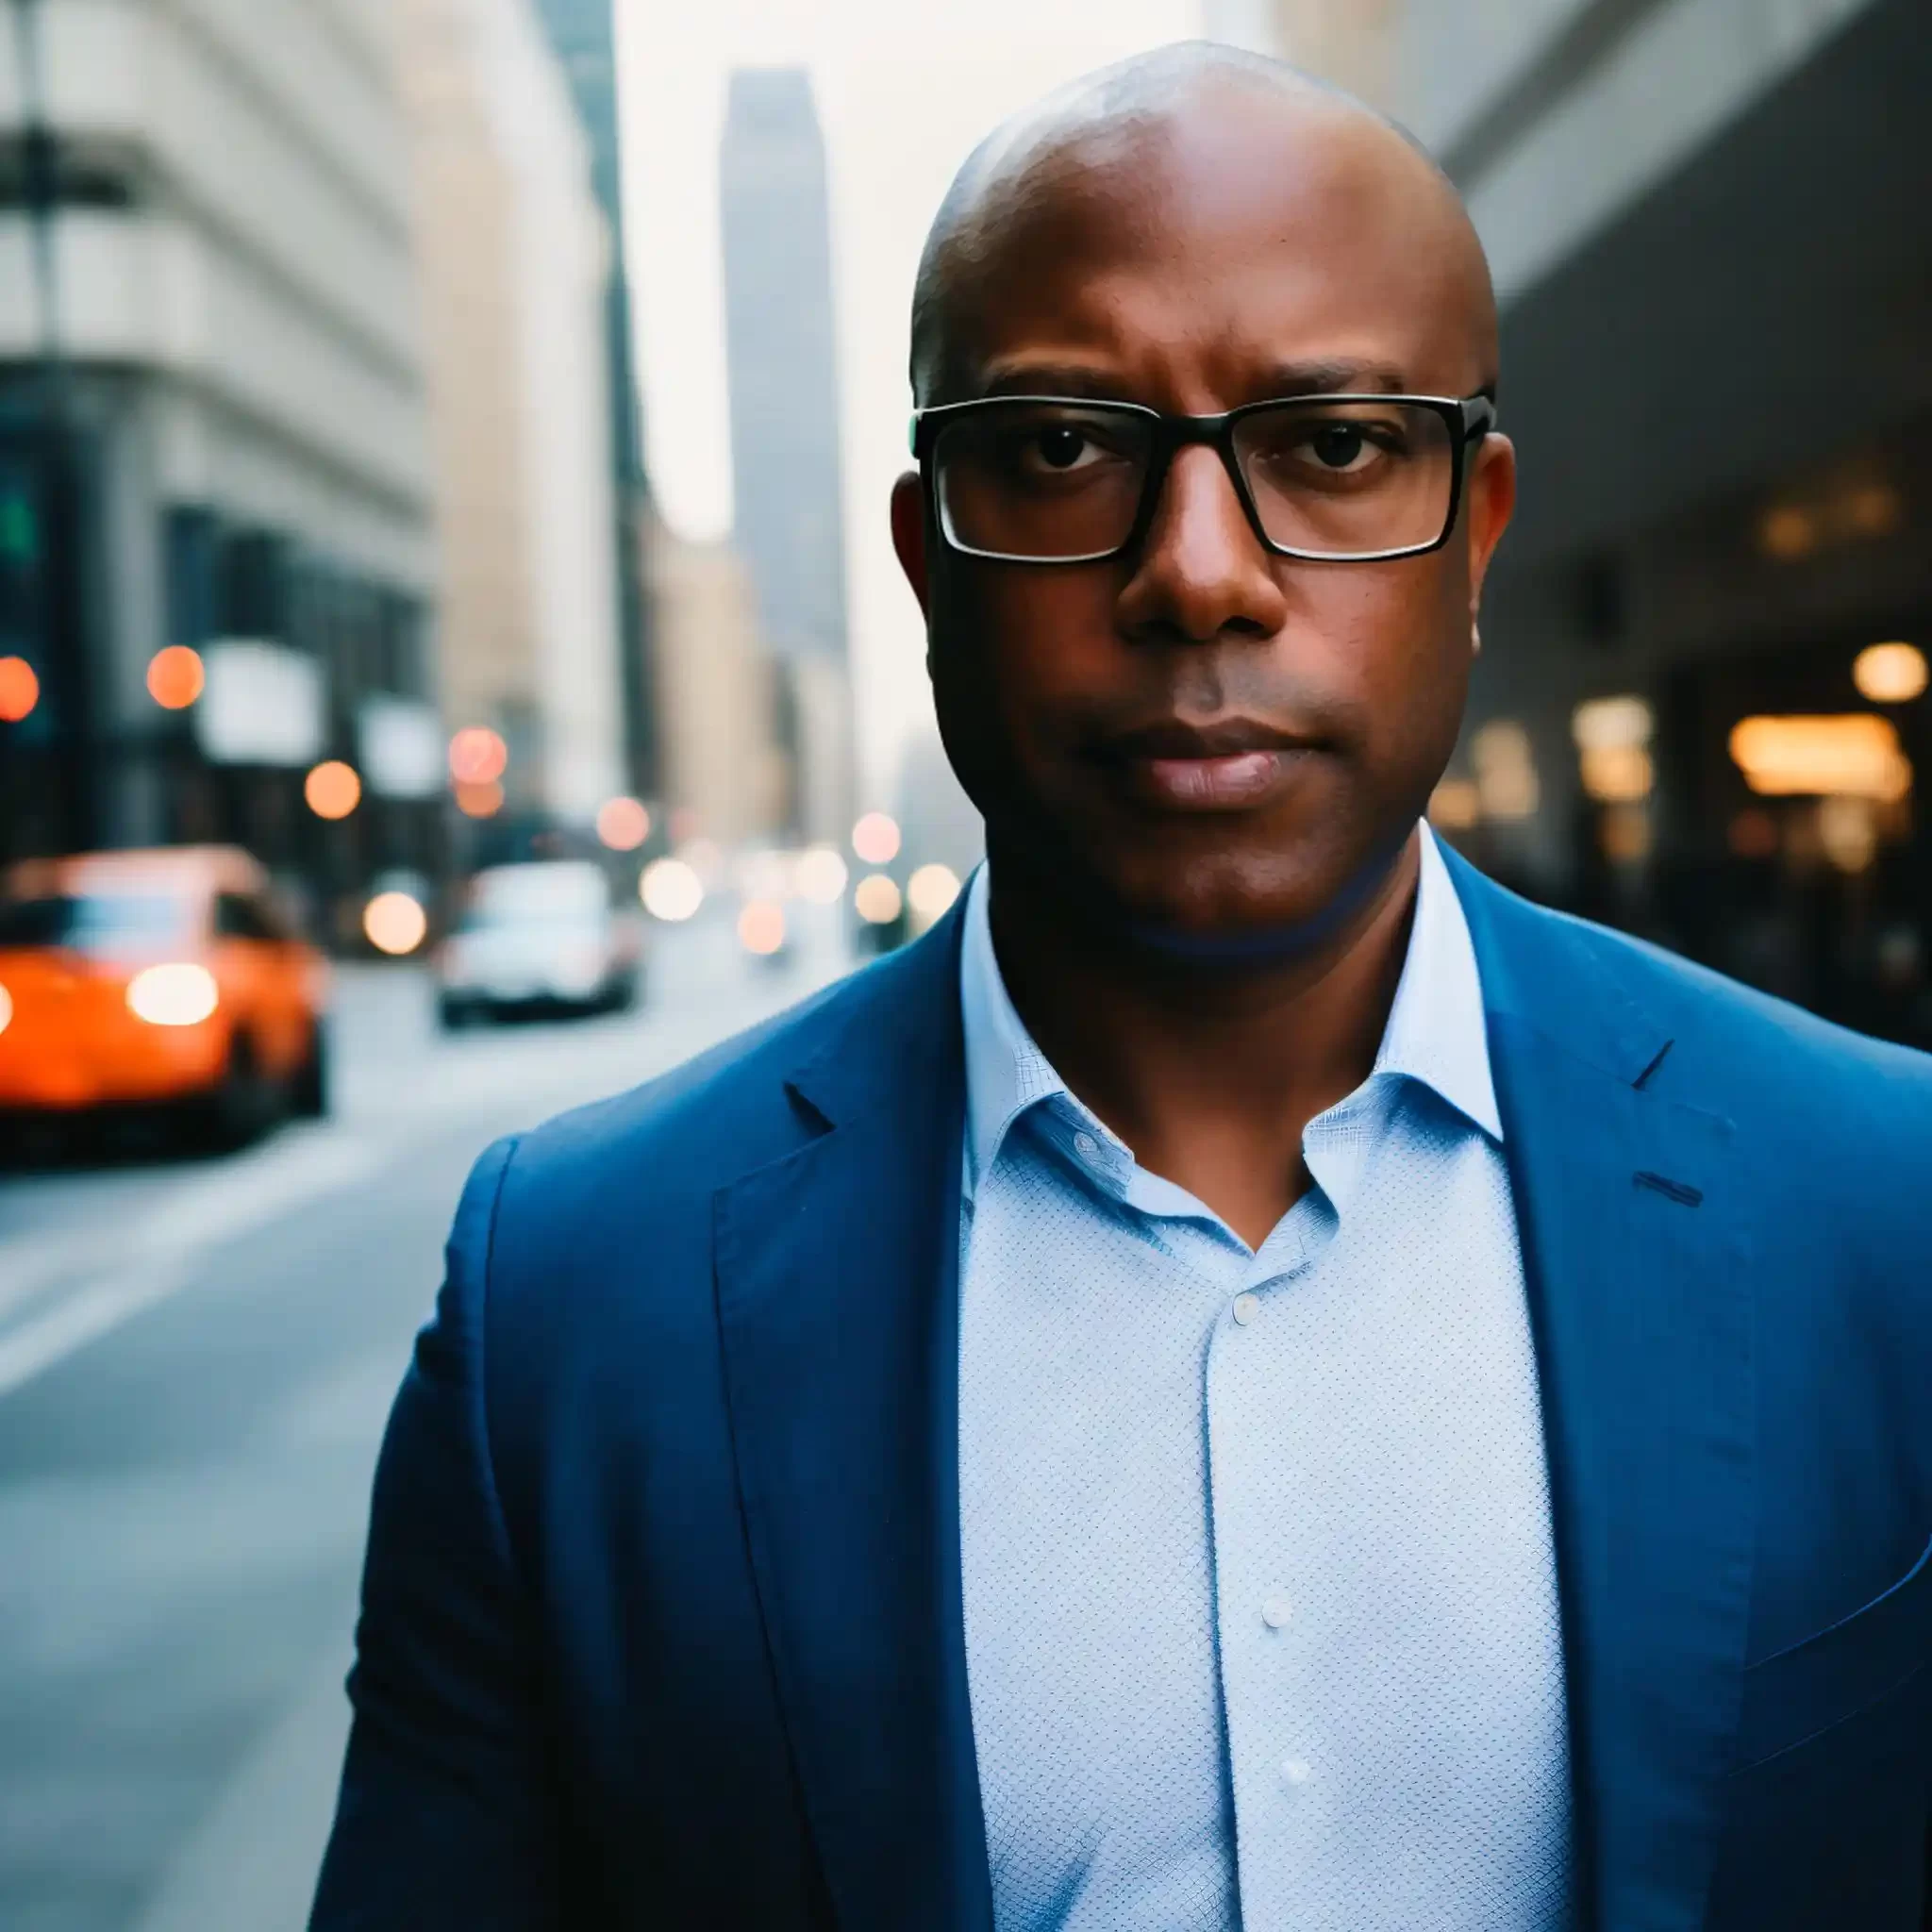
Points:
[(156, 978)]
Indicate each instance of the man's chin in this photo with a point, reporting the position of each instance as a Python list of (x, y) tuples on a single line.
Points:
[(1254, 915)]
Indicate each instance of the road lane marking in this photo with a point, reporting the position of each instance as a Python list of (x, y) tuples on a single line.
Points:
[(171, 1242)]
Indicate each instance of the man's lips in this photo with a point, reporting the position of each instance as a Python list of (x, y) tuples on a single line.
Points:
[(1226, 766)]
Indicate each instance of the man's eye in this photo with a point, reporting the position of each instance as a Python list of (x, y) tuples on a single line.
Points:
[(1060, 447), (1339, 446)]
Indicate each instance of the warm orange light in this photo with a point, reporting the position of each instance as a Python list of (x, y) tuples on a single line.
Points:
[(176, 677), (1787, 533), (1856, 756), (761, 929), (623, 824), (333, 790), (479, 800), (1754, 832), (477, 756), (876, 838), (1847, 833), (1456, 804), (1624, 834), (1894, 674), (20, 689), (1506, 778), (1617, 774), (1873, 510)]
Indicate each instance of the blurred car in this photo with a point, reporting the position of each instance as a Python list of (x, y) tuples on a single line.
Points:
[(163, 978), (538, 938)]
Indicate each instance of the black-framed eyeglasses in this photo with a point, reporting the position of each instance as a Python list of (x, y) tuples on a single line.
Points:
[(1351, 478)]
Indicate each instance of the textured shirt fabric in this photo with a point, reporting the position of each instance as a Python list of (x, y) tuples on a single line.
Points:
[(1260, 1596)]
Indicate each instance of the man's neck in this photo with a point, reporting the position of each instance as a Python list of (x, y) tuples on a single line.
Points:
[(1209, 1072)]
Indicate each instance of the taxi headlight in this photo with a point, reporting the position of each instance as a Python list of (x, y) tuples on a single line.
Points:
[(5, 1009), (178, 995)]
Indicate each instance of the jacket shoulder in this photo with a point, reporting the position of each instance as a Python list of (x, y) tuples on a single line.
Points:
[(1747, 1035), (1828, 1116), (662, 1149)]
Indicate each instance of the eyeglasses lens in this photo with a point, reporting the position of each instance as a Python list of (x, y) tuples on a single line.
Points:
[(1049, 481), (1348, 480)]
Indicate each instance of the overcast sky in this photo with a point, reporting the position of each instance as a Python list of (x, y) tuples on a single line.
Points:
[(905, 88)]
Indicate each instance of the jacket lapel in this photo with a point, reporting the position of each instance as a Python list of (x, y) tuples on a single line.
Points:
[(837, 1281), (1640, 1304)]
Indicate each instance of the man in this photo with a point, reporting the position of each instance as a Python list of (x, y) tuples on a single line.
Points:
[(1250, 1378)]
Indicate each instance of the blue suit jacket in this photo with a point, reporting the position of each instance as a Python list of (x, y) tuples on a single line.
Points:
[(662, 1617)]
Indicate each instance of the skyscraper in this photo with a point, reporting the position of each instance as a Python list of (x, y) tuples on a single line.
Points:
[(785, 448), (513, 271), (583, 34)]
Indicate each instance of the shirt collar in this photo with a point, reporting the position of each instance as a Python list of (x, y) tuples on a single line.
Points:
[(1436, 1033)]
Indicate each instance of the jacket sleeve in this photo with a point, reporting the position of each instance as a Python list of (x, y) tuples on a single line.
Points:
[(446, 1816)]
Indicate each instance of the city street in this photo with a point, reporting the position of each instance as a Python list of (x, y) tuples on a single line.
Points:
[(196, 1358)]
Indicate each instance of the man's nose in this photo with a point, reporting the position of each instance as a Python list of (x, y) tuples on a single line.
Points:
[(1202, 572)]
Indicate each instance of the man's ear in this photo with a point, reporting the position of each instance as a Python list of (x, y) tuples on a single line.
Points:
[(1491, 490), (909, 534)]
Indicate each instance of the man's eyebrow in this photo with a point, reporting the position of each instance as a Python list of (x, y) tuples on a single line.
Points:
[(1338, 378), (1050, 379), (1332, 378)]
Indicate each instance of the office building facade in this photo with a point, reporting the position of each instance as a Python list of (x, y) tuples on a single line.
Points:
[(513, 268), (213, 434)]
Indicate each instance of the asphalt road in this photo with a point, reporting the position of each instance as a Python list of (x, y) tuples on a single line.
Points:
[(196, 1359)]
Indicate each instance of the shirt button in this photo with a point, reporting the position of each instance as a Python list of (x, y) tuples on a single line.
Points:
[(1086, 1146), (1296, 1771), (1246, 1306), (1275, 1611)]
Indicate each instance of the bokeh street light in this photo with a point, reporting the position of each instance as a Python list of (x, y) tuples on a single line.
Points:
[(478, 755), (176, 677), (332, 789), (930, 893), (395, 923), (820, 875), (876, 838), (20, 689), (479, 800), (671, 891), (761, 929), (1894, 674), (623, 824), (878, 899)]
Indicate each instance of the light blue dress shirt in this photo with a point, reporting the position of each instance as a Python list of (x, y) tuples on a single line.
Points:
[(1260, 1596)]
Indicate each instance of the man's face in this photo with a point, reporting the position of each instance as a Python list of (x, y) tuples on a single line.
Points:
[(1200, 738)]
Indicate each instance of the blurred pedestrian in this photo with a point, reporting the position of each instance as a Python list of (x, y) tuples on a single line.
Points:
[(1249, 1377)]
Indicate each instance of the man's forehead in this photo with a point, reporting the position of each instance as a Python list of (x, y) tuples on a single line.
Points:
[(1235, 222), (1301, 277)]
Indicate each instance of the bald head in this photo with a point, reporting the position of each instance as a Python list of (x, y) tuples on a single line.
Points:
[(1173, 133)]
